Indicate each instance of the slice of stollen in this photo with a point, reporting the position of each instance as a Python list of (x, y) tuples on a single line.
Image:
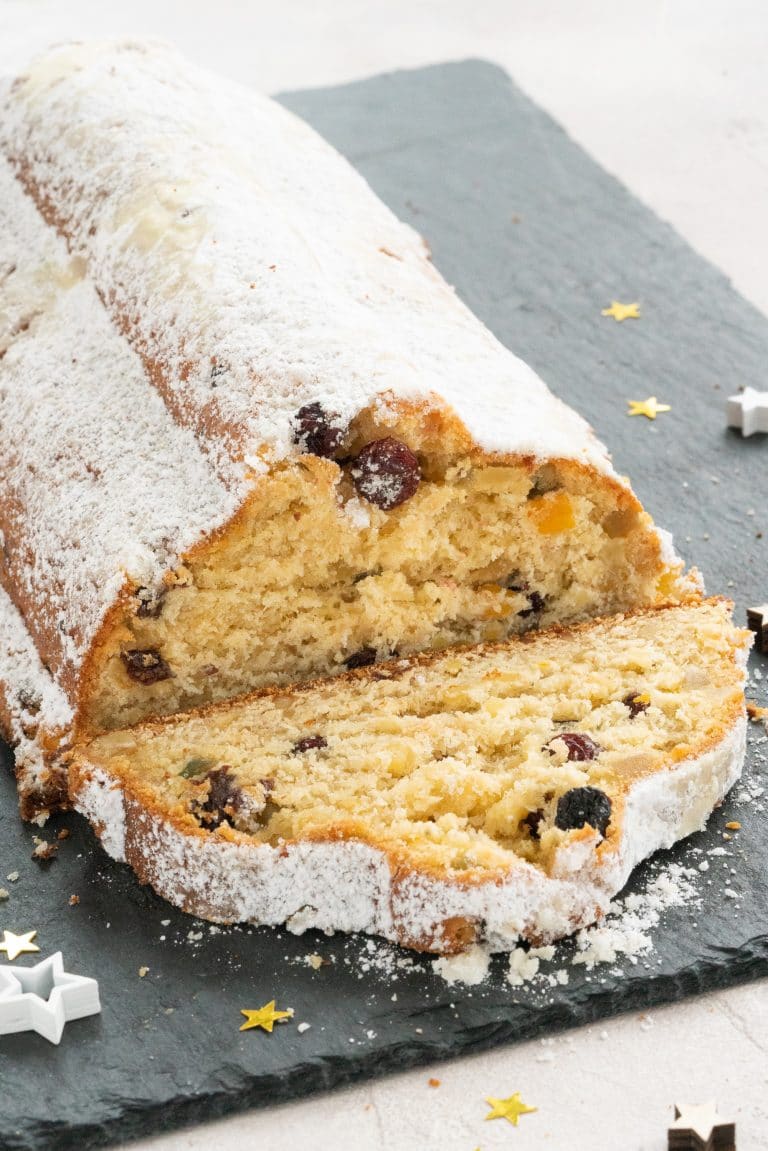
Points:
[(501, 792)]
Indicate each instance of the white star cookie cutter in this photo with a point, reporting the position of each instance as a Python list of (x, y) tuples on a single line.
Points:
[(44, 997), (748, 411)]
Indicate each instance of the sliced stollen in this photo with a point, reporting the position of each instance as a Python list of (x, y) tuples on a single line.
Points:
[(491, 794), (248, 435)]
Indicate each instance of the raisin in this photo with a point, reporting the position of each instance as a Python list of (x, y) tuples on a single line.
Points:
[(386, 473), (224, 797), (582, 805), (635, 703), (317, 431), (580, 746), (362, 658), (30, 700), (532, 821), (150, 603), (309, 743), (536, 601), (145, 665)]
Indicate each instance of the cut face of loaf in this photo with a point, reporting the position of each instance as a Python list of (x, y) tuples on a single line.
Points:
[(312, 580), (248, 435), (488, 794)]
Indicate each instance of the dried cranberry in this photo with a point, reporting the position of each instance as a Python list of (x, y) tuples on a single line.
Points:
[(634, 703), (362, 658), (386, 473), (309, 743), (317, 431), (145, 665), (580, 746), (582, 805)]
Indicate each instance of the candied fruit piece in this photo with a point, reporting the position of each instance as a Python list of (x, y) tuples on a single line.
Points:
[(552, 513), (195, 766)]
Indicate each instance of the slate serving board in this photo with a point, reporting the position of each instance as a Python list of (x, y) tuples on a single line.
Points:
[(537, 239)]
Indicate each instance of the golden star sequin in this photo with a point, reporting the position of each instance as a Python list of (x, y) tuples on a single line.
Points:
[(620, 312), (650, 408), (14, 945), (510, 1109), (265, 1017)]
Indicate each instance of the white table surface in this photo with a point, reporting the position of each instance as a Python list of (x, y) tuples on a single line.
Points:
[(672, 97)]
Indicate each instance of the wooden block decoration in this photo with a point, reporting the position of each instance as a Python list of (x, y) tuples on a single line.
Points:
[(698, 1127), (748, 411), (757, 621)]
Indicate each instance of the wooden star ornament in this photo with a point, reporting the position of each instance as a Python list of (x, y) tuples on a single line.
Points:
[(510, 1109), (265, 1017), (650, 408), (757, 621), (620, 312), (700, 1128), (14, 945)]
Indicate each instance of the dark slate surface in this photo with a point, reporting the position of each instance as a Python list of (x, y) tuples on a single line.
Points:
[(537, 239)]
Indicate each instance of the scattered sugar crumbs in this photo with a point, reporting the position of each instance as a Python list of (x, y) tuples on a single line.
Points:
[(625, 934)]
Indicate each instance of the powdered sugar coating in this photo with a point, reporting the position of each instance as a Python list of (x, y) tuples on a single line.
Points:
[(350, 886), (37, 711), (254, 266), (100, 485)]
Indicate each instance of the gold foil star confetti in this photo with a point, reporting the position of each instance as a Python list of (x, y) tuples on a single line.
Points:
[(650, 408), (620, 312), (14, 945), (265, 1017), (510, 1109)]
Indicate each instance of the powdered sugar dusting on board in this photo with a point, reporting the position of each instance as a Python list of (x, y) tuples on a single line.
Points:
[(89, 454), (631, 920), (254, 265)]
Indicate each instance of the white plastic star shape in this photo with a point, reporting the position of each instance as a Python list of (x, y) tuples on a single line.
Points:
[(45, 997), (748, 411)]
